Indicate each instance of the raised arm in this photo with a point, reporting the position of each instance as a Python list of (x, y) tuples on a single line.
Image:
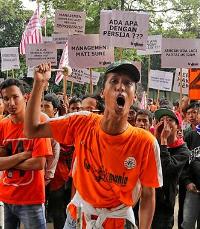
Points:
[(33, 128)]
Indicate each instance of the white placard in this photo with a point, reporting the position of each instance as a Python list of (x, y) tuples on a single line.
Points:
[(86, 52), (60, 40), (1, 80), (9, 58), (30, 73), (83, 75), (154, 46), (160, 80), (185, 81), (69, 22), (180, 53), (47, 40), (124, 29), (40, 53)]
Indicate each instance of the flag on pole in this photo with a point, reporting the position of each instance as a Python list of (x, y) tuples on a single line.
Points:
[(32, 33), (64, 61), (144, 101)]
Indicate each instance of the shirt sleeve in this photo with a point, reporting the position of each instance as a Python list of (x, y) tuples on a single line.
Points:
[(151, 171), (42, 147), (65, 129)]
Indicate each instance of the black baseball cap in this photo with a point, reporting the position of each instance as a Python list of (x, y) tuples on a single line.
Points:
[(124, 65)]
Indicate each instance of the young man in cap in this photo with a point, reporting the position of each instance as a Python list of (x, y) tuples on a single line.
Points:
[(115, 162), (174, 156)]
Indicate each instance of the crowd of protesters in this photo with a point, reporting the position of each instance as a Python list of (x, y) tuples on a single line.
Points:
[(37, 185)]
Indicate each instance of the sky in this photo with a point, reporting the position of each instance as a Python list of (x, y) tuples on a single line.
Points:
[(29, 4)]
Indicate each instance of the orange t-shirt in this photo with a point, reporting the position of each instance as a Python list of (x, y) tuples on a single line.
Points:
[(107, 168), (19, 186)]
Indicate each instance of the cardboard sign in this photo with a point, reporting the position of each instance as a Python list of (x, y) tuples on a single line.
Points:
[(83, 75), (40, 53), (47, 40), (194, 84), (69, 22), (185, 81), (124, 29), (180, 53), (30, 73), (9, 58), (86, 52), (154, 46), (160, 80), (60, 40)]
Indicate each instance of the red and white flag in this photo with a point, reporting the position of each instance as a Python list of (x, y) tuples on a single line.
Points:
[(144, 101), (64, 61), (32, 33)]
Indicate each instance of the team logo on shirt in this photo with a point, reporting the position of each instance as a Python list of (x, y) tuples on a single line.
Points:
[(130, 163)]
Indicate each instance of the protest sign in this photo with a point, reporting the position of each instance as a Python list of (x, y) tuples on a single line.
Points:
[(185, 81), (154, 46), (124, 29), (160, 80), (69, 22), (86, 52), (60, 40), (194, 84), (180, 53), (30, 73), (39, 53), (47, 40), (9, 58), (84, 75)]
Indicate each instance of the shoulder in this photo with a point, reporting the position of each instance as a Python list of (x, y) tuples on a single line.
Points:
[(143, 135)]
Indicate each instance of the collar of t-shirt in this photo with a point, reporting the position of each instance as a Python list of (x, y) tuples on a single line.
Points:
[(177, 143)]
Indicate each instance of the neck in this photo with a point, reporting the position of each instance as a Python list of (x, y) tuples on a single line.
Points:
[(114, 125), (171, 139), (18, 118)]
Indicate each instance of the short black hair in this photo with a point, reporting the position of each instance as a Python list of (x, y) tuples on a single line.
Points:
[(53, 99), (100, 105), (13, 82), (145, 112), (74, 100), (194, 105)]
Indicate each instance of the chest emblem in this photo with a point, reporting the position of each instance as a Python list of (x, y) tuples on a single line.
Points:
[(130, 163)]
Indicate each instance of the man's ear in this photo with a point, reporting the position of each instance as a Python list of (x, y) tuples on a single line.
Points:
[(55, 110), (26, 97)]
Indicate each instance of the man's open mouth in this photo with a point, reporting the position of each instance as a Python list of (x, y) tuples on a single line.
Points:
[(120, 101)]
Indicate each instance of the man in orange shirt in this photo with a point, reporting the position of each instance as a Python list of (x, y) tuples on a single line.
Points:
[(115, 163), (22, 161)]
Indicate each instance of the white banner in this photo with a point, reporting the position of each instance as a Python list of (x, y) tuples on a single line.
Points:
[(154, 46), (124, 29), (86, 52), (39, 53), (180, 53), (160, 80), (69, 22), (83, 75), (60, 40), (185, 81), (9, 58)]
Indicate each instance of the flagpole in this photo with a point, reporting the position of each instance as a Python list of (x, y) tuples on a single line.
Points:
[(13, 73), (158, 96), (91, 84), (72, 88), (149, 67), (120, 54), (181, 89)]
